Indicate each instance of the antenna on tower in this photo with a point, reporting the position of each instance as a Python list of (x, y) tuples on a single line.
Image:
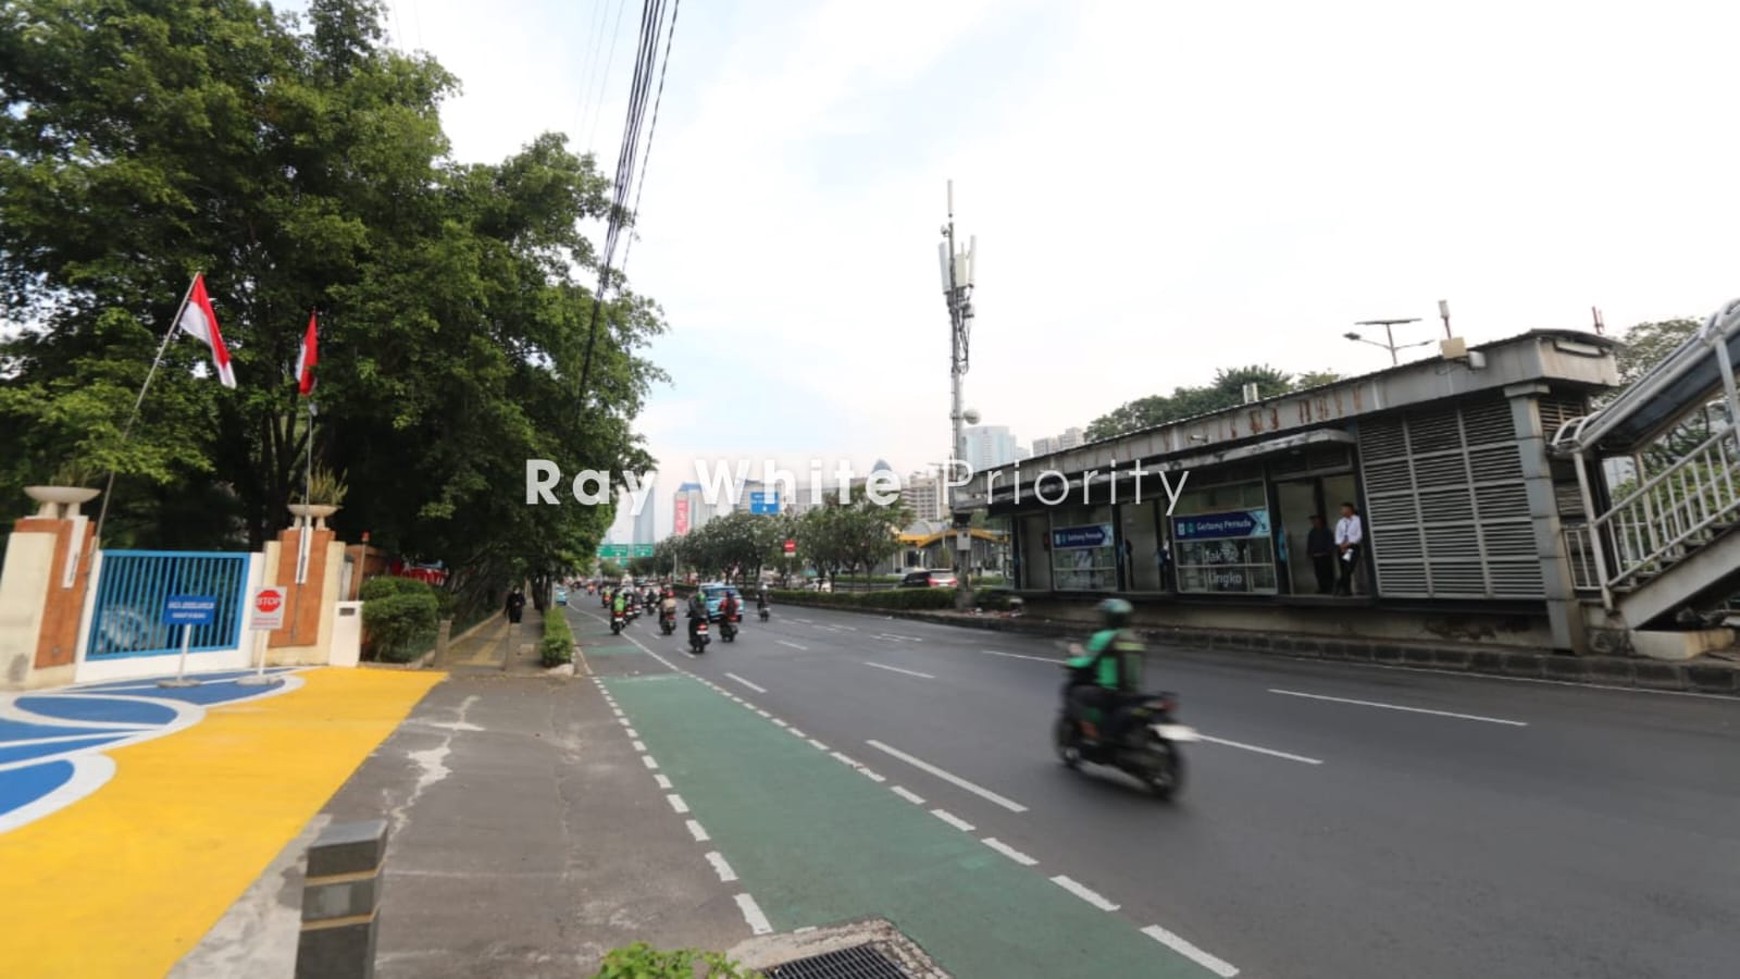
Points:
[(1600, 324)]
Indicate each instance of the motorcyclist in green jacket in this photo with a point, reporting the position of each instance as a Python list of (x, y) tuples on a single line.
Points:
[(1107, 672)]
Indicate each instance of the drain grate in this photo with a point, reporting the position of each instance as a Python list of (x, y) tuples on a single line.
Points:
[(861, 962)]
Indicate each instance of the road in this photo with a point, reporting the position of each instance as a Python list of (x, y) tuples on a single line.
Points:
[(1343, 821)]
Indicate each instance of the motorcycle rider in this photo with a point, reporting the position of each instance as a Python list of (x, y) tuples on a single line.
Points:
[(697, 611), (619, 606), (727, 609), (1108, 671)]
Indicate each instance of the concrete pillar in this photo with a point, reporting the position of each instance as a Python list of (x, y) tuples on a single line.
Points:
[(1564, 608), (311, 607), (341, 899), (43, 589)]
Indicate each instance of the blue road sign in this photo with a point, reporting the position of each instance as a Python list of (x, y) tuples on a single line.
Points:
[(1222, 526), (189, 610), (764, 503), (1076, 538)]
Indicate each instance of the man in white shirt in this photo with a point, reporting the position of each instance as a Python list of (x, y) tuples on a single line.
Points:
[(1349, 539)]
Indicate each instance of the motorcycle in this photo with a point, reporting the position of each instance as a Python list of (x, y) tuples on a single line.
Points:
[(698, 639), (764, 613), (617, 621), (668, 620), (728, 627), (1148, 751)]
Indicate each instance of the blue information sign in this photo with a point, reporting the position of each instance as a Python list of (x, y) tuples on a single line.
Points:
[(1076, 538), (1221, 526), (764, 503), (189, 610)]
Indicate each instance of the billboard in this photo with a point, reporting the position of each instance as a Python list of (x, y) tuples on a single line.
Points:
[(680, 516)]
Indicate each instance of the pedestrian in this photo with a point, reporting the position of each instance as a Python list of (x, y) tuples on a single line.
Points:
[(1320, 545), (516, 606), (1349, 540)]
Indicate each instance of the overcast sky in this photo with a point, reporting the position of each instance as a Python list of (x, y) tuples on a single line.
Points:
[(1158, 190)]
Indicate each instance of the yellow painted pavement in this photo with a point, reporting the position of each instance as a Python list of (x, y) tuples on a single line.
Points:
[(128, 880)]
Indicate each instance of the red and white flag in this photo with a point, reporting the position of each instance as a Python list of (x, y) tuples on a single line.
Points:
[(308, 357), (198, 320)]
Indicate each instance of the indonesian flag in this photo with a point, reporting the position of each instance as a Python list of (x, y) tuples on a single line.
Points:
[(198, 320), (308, 357)]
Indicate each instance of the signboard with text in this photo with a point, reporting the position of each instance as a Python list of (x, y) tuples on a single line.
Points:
[(268, 606), (764, 503), (790, 547), (623, 552), (1222, 526), (1077, 538), (189, 610), (680, 516)]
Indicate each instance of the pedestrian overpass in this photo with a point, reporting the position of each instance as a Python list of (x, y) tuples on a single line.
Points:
[(1662, 549)]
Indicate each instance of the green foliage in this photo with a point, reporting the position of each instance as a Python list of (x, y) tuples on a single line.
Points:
[(1227, 391), (326, 487), (610, 570), (299, 167), (75, 472), (642, 961), (832, 538), (400, 616), (557, 648), (909, 599)]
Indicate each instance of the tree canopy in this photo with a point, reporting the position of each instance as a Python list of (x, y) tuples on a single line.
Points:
[(298, 168), (1226, 391), (833, 538)]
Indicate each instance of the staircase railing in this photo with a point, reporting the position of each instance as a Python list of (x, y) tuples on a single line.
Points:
[(1671, 513)]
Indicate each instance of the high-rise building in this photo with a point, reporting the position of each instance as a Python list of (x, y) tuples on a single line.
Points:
[(689, 509), (923, 494), (990, 446), (646, 522), (1070, 438)]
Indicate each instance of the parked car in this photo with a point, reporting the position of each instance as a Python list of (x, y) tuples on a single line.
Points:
[(561, 596), (930, 579)]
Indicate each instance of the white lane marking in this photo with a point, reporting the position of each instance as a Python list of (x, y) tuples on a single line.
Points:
[(793, 645), (1010, 852), (952, 819), (722, 868), (747, 683), (1219, 967), (872, 776), (1411, 710), (908, 795), (623, 721), (848, 628), (752, 914), (779, 723), (617, 711), (804, 621), (896, 669), (632, 733), (764, 713), (796, 733), (698, 832), (664, 783), (677, 803), (887, 637), (949, 777), (648, 760), (1261, 751), (1083, 893), (640, 747), (1557, 683), (842, 759), (818, 744), (1036, 659)]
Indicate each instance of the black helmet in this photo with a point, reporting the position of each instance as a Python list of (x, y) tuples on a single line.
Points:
[(1115, 612)]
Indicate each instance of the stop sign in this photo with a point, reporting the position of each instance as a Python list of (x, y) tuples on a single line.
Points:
[(791, 547), (268, 609)]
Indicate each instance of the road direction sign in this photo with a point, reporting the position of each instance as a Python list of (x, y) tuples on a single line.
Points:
[(189, 610), (268, 608), (764, 503)]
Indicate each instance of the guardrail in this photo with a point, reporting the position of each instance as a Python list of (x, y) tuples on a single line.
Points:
[(1662, 519)]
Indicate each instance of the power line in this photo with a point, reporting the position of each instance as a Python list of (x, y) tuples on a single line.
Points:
[(583, 110), (653, 129), (604, 91), (652, 16)]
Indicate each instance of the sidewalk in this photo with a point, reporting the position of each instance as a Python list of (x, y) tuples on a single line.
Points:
[(498, 647), (209, 785)]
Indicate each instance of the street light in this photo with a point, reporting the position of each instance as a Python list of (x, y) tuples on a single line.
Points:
[(1389, 343)]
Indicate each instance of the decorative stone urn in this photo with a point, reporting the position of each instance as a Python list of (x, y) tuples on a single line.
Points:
[(321, 511), (302, 512), (60, 501)]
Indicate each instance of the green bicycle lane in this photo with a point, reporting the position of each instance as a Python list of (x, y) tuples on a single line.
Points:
[(815, 842)]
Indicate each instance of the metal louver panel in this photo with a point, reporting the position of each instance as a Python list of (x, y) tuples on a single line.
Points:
[(1446, 506)]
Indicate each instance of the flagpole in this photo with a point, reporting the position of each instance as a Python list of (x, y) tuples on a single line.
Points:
[(126, 432), (307, 497)]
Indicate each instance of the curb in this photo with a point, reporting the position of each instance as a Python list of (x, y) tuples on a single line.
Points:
[(1611, 671)]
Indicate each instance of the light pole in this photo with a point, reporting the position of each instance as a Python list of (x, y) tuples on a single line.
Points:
[(1389, 341), (957, 282)]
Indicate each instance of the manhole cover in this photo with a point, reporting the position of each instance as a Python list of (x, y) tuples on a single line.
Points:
[(862, 962)]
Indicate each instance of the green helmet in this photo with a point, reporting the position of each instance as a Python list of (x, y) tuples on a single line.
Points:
[(1115, 612)]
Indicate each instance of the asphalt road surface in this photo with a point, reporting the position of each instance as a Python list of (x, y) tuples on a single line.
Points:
[(1340, 821)]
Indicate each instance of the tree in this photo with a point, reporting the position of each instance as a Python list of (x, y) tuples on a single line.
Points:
[(1227, 391), (296, 169), (1643, 347)]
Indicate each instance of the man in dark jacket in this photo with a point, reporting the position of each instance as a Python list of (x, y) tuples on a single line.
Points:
[(1320, 544)]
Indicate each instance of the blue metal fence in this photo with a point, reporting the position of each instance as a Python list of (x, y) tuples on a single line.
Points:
[(132, 589)]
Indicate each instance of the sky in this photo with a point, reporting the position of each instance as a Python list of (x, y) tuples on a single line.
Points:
[(1157, 190)]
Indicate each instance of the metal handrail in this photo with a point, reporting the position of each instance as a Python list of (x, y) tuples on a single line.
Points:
[(1653, 524)]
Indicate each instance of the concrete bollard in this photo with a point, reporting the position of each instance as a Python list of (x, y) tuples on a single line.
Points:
[(341, 896), (443, 638)]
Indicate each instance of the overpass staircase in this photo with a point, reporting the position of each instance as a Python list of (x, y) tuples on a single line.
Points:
[(1662, 550)]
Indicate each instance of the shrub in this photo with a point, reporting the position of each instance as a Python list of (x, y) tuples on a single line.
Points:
[(908, 598), (642, 961), (400, 621), (995, 599), (381, 586), (558, 646)]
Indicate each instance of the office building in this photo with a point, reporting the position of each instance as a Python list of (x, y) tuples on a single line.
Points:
[(923, 494), (989, 446), (689, 509), (646, 522), (1070, 438)]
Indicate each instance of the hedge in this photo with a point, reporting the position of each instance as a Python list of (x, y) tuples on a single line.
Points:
[(896, 598), (400, 617), (558, 646)]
